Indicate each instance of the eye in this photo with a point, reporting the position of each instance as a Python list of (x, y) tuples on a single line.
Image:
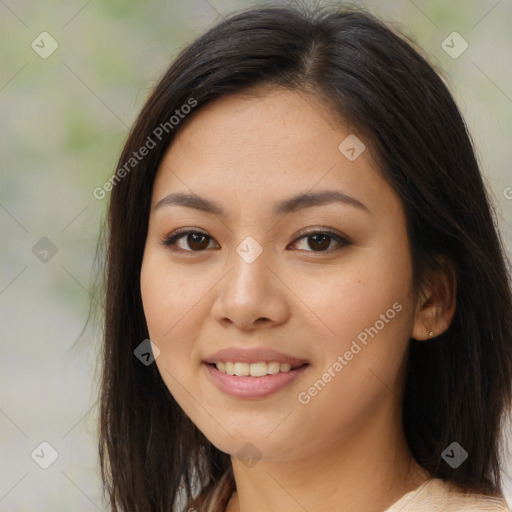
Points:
[(198, 241), (195, 239), (320, 241)]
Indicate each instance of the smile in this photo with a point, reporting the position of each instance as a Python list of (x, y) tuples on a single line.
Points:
[(255, 380)]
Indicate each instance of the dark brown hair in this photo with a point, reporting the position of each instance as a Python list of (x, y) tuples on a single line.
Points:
[(458, 386)]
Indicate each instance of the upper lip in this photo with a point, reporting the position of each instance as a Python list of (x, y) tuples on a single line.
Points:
[(253, 355)]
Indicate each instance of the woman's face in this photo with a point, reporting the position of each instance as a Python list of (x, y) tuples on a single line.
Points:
[(267, 271)]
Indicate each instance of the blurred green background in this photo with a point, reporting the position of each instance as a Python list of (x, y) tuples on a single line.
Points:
[(64, 118)]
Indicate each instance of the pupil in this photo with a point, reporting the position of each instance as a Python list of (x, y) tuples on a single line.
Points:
[(194, 237), (325, 239)]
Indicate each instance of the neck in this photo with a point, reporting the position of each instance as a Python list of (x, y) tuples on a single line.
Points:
[(367, 472)]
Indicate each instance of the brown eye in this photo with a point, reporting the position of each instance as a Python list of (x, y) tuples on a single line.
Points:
[(320, 241), (196, 241)]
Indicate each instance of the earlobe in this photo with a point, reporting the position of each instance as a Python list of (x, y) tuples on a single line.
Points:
[(424, 321), (434, 315)]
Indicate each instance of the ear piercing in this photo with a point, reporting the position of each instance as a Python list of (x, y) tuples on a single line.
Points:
[(431, 333)]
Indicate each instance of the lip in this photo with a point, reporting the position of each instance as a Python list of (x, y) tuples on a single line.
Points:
[(252, 388), (253, 355)]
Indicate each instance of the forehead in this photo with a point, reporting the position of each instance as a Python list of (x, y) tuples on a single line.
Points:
[(267, 145), (258, 123)]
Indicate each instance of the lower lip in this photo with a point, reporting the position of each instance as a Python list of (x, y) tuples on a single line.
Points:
[(251, 388)]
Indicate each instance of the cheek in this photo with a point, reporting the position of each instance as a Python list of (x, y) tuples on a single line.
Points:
[(370, 315), (350, 298), (170, 297), (167, 308), (168, 301), (366, 309)]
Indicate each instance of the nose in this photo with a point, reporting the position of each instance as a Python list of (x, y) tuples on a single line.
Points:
[(251, 296)]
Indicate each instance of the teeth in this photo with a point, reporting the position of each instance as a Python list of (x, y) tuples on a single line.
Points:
[(259, 369), (273, 367), (242, 369)]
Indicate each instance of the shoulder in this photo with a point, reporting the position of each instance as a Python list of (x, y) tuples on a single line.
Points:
[(435, 495)]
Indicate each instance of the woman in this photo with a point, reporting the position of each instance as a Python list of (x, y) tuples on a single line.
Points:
[(300, 227)]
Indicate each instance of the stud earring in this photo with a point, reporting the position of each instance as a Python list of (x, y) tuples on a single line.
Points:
[(431, 333)]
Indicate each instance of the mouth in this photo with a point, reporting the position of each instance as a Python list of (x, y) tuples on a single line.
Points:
[(252, 381)]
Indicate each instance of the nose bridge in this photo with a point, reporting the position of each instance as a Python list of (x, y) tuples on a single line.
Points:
[(249, 292), (250, 276)]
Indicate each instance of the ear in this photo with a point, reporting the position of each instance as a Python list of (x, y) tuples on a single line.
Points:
[(436, 303)]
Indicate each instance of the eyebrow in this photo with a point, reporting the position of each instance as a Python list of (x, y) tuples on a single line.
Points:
[(290, 205)]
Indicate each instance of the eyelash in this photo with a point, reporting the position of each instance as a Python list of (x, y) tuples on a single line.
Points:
[(171, 240)]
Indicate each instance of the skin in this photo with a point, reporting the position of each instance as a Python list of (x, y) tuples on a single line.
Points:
[(344, 450)]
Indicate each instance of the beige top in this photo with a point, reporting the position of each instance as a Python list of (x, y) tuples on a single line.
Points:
[(435, 495)]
